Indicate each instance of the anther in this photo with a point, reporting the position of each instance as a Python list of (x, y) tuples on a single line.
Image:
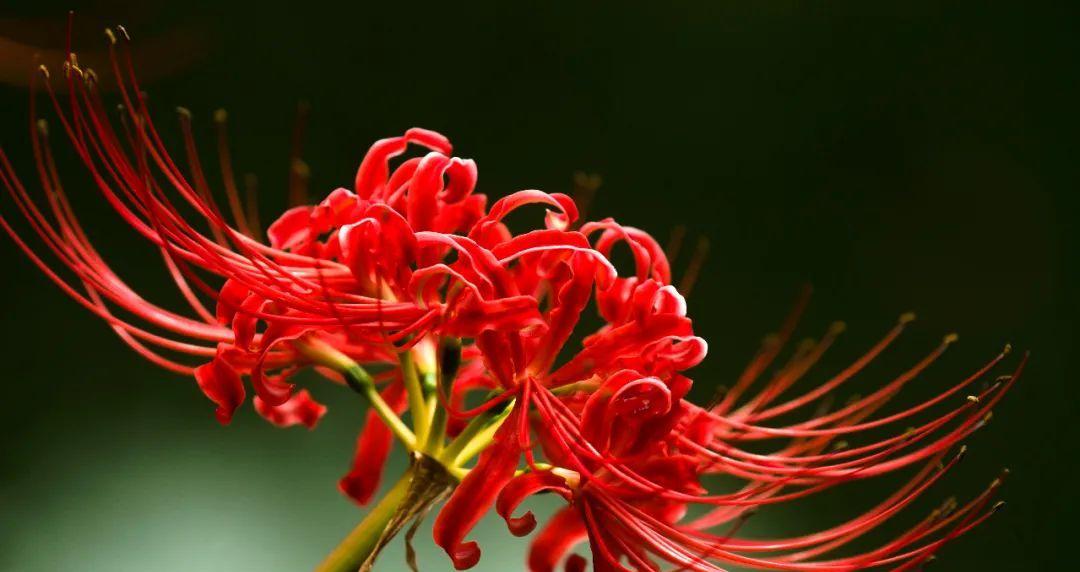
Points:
[(110, 35), (43, 127), (973, 398), (675, 240), (907, 317), (301, 168), (44, 70), (948, 507), (123, 32), (998, 506), (951, 338), (837, 327), (693, 269), (185, 112), (221, 116)]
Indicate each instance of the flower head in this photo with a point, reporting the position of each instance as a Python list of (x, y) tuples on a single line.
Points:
[(410, 289)]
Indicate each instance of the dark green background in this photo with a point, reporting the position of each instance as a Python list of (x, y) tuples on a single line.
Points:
[(899, 156)]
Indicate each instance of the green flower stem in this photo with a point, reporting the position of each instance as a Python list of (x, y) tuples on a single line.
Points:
[(358, 545), (437, 431), (476, 436), (359, 380), (420, 416), (483, 438), (449, 361)]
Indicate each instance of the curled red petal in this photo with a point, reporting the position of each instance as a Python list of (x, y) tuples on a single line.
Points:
[(220, 382), (462, 176), (291, 229), (422, 203), (274, 390), (371, 177), (558, 536), (649, 256), (520, 488), (230, 297), (575, 563), (300, 409), (372, 450), (476, 494), (431, 139), (642, 398), (245, 321), (560, 220), (506, 314)]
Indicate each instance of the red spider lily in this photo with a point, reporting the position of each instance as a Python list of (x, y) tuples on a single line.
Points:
[(410, 273), (629, 496)]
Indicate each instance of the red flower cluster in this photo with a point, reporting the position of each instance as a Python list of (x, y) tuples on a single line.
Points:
[(412, 276)]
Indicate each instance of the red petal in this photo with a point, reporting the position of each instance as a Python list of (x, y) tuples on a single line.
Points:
[(556, 220), (520, 488), (649, 256), (291, 229), (559, 535), (372, 449), (461, 175), (231, 296), (476, 494), (300, 409), (422, 202), (430, 139), (222, 385), (374, 170)]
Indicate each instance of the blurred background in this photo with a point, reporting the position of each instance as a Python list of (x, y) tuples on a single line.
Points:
[(898, 156)]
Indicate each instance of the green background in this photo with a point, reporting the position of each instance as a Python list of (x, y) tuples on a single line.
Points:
[(898, 156)]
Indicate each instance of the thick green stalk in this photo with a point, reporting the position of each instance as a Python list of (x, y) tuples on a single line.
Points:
[(437, 429), (417, 406), (359, 380), (359, 544), (476, 435)]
